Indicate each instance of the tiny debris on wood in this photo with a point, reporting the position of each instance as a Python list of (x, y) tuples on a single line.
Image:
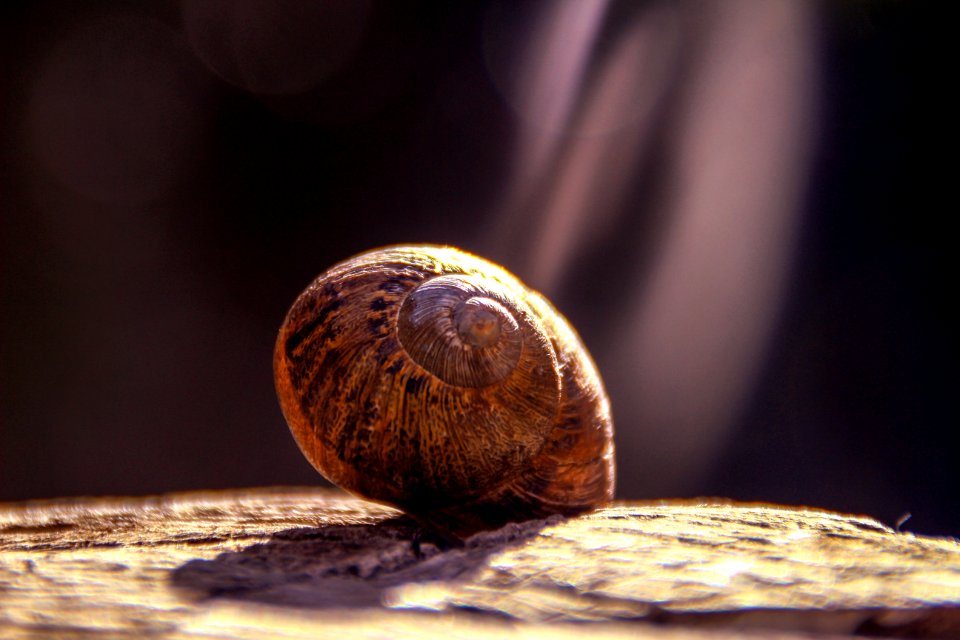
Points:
[(297, 563)]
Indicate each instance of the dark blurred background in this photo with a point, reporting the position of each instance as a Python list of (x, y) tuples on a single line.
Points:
[(739, 204)]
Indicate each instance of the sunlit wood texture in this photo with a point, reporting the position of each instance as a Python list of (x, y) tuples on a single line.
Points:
[(297, 563)]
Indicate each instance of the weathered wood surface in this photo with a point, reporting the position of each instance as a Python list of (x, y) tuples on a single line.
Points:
[(293, 563)]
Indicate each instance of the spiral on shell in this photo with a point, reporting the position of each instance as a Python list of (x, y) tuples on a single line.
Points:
[(430, 379)]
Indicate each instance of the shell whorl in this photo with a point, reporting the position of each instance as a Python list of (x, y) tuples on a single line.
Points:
[(461, 330)]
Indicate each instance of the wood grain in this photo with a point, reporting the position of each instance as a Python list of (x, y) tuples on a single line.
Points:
[(297, 563)]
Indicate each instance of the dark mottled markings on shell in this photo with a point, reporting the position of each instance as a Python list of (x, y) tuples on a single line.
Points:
[(431, 379)]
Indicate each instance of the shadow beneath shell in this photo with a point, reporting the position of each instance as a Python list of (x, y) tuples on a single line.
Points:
[(344, 566)]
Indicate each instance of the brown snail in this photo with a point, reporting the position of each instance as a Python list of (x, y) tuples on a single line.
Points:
[(430, 379)]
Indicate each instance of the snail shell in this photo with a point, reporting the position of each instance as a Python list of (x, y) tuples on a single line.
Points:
[(430, 379)]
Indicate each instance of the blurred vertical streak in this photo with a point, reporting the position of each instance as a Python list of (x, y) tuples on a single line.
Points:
[(590, 79), (701, 320), (549, 83), (720, 95), (611, 132)]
